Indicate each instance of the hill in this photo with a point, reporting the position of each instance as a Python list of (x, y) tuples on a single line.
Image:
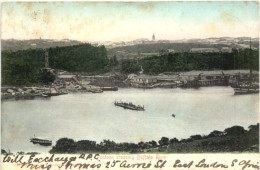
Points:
[(15, 45)]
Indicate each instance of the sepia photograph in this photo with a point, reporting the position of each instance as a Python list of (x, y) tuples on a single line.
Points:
[(129, 81)]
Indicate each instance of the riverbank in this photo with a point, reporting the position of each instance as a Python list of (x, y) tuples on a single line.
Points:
[(80, 82), (12, 92), (233, 139)]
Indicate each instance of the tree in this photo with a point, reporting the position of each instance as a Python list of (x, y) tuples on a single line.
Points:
[(254, 128), (195, 137), (108, 145), (86, 145), (164, 141), (130, 67), (3, 151), (235, 131), (64, 145), (153, 143), (174, 140), (141, 145), (46, 77), (215, 133)]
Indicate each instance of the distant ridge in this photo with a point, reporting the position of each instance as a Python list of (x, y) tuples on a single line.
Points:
[(15, 45)]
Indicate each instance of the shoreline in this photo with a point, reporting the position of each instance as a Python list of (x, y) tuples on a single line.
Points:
[(30, 96), (66, 82), (247, 141)]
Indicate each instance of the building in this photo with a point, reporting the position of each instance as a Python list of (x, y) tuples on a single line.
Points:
[(153, 37), (226, 50), (164, 52), (204, 50), (144, 79), (66, 77), (131, 76)]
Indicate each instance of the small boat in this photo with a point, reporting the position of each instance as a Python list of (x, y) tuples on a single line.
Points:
[(96, 91), (130, 106), (115, 88), (246, 88), (41, 140), (45, 95)]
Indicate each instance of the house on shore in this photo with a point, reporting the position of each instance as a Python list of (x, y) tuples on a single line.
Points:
[(193, 78), (144, 80)]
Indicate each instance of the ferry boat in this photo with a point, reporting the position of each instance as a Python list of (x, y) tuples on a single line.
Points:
[(130, 106), (41, 141)]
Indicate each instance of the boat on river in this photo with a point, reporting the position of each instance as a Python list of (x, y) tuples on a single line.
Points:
[(246, 88), (96, 90), (41, 140), (250, 86), (130, 106), (114, 88)]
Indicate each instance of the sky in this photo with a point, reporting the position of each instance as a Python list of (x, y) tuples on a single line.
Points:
[(126, 21)]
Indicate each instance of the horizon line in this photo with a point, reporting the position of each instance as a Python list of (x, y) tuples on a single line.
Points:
[(130, 40)]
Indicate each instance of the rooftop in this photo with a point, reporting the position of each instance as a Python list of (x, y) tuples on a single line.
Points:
[(66, 76)]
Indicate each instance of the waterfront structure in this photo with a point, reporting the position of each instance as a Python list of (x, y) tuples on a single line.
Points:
[(131, 76), (144, 79), (193, 78), (66, 77)]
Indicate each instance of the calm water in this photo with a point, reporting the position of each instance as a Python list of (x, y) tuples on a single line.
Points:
[(94, 116)]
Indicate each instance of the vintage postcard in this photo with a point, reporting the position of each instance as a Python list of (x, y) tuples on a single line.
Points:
[(130, 85)]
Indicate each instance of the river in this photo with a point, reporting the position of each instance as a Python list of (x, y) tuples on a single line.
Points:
[(94, 116)]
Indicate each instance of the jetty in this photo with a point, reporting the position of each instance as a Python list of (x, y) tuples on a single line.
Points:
[(130, 106)]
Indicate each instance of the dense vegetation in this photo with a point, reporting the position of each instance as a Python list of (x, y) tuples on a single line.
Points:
[(233, 139), (24, 67), (81, 58), (130, 67), (245, 59)]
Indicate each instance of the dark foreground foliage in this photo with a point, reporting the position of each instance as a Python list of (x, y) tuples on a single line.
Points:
[(233, 139), (172, 62)]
